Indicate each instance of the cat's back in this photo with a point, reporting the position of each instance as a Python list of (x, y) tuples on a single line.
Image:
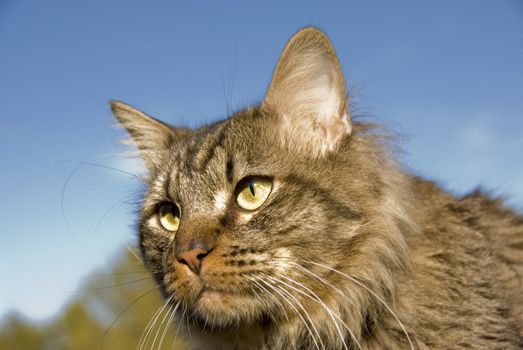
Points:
[(468, 255), (502, 228)]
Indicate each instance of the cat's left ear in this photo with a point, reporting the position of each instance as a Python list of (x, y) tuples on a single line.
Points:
[(151, 136), (308, 92)]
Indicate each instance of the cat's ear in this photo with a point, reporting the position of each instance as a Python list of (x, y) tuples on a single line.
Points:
[(151, 136), (308, 91)]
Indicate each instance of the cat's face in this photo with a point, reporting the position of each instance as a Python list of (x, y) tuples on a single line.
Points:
[(236, 212)]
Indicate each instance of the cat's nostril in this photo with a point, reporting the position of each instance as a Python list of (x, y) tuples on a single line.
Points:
[(201, 255), (193, 258)]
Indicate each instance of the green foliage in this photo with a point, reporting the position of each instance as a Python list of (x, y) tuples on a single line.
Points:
[(111, 311), (18, 333)]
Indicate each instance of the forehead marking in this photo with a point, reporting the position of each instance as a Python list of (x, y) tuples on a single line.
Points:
[(209, 147)]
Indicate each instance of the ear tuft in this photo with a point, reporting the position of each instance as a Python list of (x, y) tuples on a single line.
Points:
[(308, 91), (150, 135)]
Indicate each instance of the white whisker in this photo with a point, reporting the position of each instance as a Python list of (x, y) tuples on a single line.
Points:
[(148, 329), (318, 300), (133, 253), (276, 300), (258, 297), (330, 285), (180, 322), (278, 290), (167, 326), (373, 293), (167, 314)]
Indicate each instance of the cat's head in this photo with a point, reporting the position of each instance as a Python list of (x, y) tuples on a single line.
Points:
[(241, 214)]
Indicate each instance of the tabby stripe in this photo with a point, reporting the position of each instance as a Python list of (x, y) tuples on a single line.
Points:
[(326, 196), (208, 149)]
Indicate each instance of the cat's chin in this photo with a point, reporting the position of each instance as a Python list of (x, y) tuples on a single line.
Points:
[(223, 309)]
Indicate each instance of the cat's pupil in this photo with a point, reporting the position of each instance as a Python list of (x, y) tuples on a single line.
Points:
[(251, 188)]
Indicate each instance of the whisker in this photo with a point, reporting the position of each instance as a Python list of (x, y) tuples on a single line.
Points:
[(179, 325), (80, 164), (102, 166), (109, 274), (166, 317), (150, 325), (327, 283), (187, 320), (113, 286), (333, 287), (225, 97), (274, 299), (133, 253), (360, 226), (169, 322), (122, 312), (318, 300), (373, 293), (262, 301), (272, 296), (277, 290), (146, 329), (64, 189), (369, 221), (188, 325), (113, 206)]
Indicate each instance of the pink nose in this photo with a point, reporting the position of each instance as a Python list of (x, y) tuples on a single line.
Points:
[(193, 258)]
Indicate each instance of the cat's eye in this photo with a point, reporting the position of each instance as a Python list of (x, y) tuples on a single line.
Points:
[(169, 216), (252, 192)]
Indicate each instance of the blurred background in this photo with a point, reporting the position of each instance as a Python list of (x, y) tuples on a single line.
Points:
[(447, 76)]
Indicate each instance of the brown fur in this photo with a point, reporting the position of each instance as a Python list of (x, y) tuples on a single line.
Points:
[(347, 252)]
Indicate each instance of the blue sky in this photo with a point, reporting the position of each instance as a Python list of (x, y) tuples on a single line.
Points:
[(447, 75)]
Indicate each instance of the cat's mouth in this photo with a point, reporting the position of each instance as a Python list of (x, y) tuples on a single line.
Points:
[(218, 295), (223, 307), (223, 292), (219, 304)]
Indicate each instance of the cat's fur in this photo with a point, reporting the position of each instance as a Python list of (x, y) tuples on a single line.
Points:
[(348, 251)]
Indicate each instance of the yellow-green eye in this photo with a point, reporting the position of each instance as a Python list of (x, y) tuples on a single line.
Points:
[(252, 192), (169, 216)]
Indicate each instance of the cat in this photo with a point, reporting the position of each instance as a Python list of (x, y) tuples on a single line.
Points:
[(290, 226)]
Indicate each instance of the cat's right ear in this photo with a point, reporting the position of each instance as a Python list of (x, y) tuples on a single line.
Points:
[(151, 136)]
